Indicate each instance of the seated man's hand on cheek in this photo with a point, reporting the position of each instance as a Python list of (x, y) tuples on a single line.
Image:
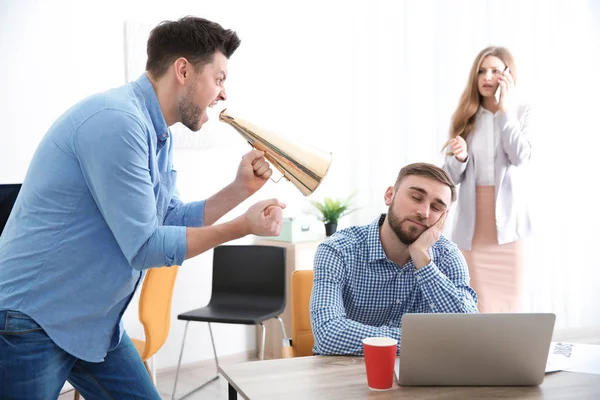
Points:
[(419, 250)]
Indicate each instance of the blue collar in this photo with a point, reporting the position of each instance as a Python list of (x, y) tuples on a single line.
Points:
[(153, 107)]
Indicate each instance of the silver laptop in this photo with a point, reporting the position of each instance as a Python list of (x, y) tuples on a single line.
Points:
[(474, 349)]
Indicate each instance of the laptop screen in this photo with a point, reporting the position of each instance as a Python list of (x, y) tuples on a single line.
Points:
[(8, 196)]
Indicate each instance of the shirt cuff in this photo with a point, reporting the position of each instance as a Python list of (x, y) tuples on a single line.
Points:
[(456, 165), (427, 273), (194, 214), (175, 243)]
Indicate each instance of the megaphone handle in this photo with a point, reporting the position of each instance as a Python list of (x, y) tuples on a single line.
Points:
[(277, 181), (276, 165)]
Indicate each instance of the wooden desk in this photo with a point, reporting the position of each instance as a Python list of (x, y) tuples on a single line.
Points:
[(323, 377)]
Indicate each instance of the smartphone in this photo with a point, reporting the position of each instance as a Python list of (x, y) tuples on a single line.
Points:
[(498, 90)]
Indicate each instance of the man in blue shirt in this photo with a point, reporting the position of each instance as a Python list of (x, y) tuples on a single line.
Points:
[(367, 277), (99, 206)]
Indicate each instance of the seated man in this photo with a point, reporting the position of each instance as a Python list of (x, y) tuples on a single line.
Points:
[(367, 277)]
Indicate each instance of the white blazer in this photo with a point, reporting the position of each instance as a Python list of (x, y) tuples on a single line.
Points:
[(513, 149)]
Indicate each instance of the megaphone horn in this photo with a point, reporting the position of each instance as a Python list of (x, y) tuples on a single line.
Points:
[(300, 164)]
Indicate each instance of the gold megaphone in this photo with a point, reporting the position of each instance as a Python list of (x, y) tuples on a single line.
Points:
[(300, 164)]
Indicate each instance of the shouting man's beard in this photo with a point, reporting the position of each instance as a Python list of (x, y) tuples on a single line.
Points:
[(190, 113), (411, 232)]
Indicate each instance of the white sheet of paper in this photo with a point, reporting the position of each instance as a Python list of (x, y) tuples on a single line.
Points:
[(574, 357)]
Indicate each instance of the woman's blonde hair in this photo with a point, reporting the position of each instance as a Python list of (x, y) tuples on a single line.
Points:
[(463, 119)]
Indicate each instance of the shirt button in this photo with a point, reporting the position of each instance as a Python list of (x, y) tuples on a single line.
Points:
[(418, 278), (397, 301), (432, 305), (164, 135)]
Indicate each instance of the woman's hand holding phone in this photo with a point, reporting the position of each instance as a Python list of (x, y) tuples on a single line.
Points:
[(506, 84)]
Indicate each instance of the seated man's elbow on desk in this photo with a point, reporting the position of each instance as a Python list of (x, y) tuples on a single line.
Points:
[(329, 345), (339, 338)]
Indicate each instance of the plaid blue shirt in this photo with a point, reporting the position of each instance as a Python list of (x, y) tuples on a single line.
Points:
[(358, 292)]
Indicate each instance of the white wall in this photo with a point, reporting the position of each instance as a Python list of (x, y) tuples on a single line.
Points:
[(375, 82)]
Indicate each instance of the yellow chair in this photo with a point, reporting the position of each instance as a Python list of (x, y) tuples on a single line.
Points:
[(302, 336), (154, 312)]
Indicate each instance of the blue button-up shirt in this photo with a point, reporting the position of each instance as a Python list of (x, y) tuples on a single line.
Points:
[(98, 207), (358, 292)]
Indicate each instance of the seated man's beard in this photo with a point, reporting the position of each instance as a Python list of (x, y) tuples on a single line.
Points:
[(409, 235)]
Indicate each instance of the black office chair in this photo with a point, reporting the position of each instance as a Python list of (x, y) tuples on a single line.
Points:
[(248, 287)]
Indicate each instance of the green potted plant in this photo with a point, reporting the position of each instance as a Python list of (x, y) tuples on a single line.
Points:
[(332, 210)]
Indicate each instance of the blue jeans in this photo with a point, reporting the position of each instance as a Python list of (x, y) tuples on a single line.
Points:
[(32, 366)]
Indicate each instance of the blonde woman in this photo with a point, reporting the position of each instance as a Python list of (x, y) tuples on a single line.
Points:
[(489, 143)]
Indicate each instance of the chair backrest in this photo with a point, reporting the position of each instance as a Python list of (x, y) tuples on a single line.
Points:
[(249, 271), (155, 307), (302, 336)]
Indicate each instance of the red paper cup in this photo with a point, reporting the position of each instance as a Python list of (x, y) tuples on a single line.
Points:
[(380, 357)]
